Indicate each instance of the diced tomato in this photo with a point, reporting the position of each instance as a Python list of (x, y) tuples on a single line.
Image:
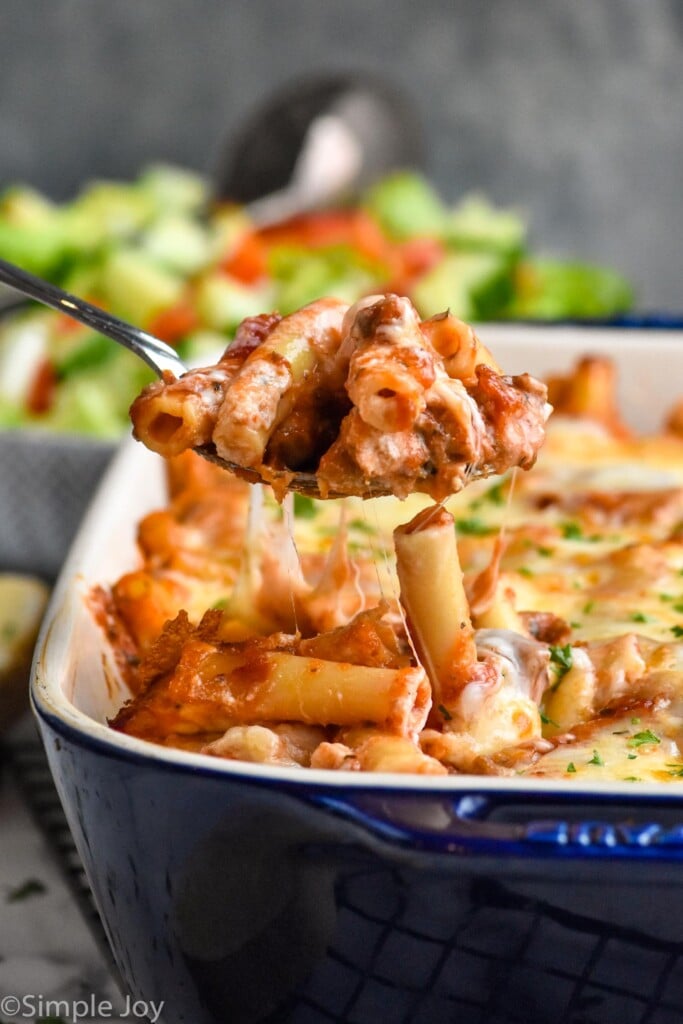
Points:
[(354, 228), (174, 323), (420, 254), (310, 229), (248, 262), (415, 258), (66, 324), (41, 394)]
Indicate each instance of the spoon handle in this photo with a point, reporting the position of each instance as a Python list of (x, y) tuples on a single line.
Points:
[(154, 352)]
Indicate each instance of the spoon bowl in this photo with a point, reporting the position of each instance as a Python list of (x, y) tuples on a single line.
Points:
[(283, 480)]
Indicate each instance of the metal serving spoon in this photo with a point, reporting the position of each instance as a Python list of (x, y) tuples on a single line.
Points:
[(321, 141), (160, 357)]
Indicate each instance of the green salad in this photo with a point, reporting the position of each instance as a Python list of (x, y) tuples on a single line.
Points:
[(157, 253)]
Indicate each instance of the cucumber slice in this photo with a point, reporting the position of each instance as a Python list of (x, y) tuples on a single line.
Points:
[(174, 188), (178, 244), (475, 224), (474, 286), (94, 403), (136, 288), (228, 225), (40, 249), (303, 275), (406, 205), (222, 303), (112, 209), (25, 207), (93, 351), (200, 348)]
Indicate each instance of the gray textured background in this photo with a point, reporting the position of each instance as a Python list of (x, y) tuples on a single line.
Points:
[(571, 111)]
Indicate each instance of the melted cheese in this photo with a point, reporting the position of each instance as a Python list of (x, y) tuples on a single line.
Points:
[(590, 571), (592, 537)]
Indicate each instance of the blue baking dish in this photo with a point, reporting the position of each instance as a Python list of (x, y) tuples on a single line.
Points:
[(242, 893)]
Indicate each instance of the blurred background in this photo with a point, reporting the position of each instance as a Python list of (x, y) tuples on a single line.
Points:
[(571, 112)]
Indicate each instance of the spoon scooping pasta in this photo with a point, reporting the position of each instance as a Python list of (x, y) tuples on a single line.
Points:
[(332, 400)]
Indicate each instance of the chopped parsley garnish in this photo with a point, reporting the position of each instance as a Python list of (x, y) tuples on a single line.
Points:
[(620, 732), (220, 605), (635, 721), (640, 617), (474, 527), (495, 493), (548, 721), (647, 736), (524, 570), (631, 757), (545, 552), (31, 887), (445, 712), (632, 778), (305, 507), (573, 531), (562, 658), (596, 759), (676, 770), (575, 625), (571, 767), (677, 631), (362, 525), (667, 597), (588, 607), (678, 607)]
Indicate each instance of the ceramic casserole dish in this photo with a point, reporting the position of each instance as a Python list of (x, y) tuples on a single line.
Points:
[(240, 893)]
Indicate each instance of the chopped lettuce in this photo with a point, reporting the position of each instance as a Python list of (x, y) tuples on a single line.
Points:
[(473, 285), (405, 206), (222, 303), (136, 286), (475, 224), (553, 290), (302, 275)]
